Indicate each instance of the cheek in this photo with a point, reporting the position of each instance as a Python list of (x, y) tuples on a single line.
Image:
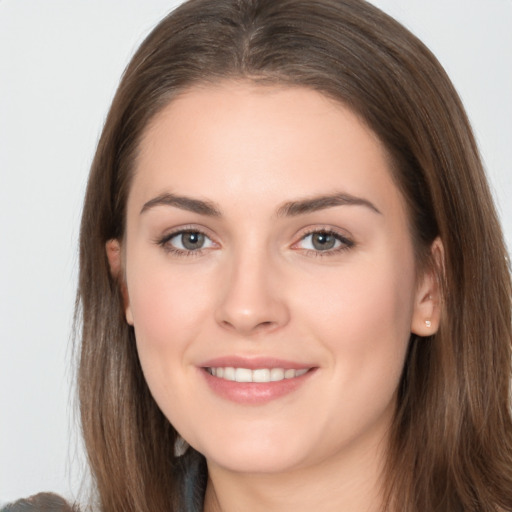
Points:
[(362, 295), (363, 316), (167, 305), (169, 310)]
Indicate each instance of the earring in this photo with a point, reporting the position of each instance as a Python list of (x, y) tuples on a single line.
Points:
[(180, 446), (428, 323)]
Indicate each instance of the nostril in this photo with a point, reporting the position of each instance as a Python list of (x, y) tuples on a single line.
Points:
[(249, 327), (227, 324), (265, 326)]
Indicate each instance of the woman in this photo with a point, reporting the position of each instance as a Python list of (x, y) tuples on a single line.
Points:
[(290, 256)]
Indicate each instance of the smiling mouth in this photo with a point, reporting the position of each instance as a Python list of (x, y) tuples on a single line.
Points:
[(256, 375)]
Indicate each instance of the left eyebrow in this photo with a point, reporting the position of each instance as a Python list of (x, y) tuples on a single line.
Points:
[(313, 204)]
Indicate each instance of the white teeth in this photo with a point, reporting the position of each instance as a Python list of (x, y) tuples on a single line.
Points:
[(243, 375), (258, 375), (262, 375), (229, 374), (276, 374)]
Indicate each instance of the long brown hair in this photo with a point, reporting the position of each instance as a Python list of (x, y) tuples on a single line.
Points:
[(451, 447)]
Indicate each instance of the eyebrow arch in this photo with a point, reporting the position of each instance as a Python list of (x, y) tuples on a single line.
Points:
[(314, 204), (184, 203), (289, 209)]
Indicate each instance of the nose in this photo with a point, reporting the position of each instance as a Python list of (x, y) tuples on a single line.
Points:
[(252, 298)]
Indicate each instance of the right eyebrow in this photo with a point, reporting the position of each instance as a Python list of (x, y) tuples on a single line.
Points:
[(183, 202)]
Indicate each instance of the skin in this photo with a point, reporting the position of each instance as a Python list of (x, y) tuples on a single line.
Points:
[(259, 287)]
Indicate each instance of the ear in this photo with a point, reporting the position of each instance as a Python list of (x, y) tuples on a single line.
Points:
[(113, 249), (428, 298)]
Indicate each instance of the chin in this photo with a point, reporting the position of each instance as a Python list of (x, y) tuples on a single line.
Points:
[(251, 462), (258, 454)]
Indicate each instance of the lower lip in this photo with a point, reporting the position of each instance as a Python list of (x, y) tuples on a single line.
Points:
[(254, 393)]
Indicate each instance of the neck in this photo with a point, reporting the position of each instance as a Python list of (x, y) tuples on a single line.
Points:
[(347, 482)]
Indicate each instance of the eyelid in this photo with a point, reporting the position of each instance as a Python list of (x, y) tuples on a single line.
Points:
[(347, 241), (164, 240)]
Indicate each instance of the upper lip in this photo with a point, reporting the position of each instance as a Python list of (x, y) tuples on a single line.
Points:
[(253, 363)]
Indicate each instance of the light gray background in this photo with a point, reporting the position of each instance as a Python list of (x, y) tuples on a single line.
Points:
[(60, 62)]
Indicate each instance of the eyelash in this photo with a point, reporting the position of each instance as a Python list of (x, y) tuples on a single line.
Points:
[(345, 243), (164, 242)]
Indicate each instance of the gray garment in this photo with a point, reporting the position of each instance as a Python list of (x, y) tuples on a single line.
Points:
[(42, 502)]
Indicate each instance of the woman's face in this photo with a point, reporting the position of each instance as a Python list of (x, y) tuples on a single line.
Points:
[(270, 276)]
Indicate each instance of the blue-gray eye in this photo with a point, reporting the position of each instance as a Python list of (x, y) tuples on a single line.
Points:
[(323, 241), (190, 241)]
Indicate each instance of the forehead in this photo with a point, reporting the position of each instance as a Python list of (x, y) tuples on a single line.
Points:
[(241, 141)]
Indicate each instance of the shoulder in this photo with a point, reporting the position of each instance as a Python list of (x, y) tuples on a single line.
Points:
[(42, 502)]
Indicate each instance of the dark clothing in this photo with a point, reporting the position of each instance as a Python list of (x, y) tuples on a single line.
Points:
[(42, 502)]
